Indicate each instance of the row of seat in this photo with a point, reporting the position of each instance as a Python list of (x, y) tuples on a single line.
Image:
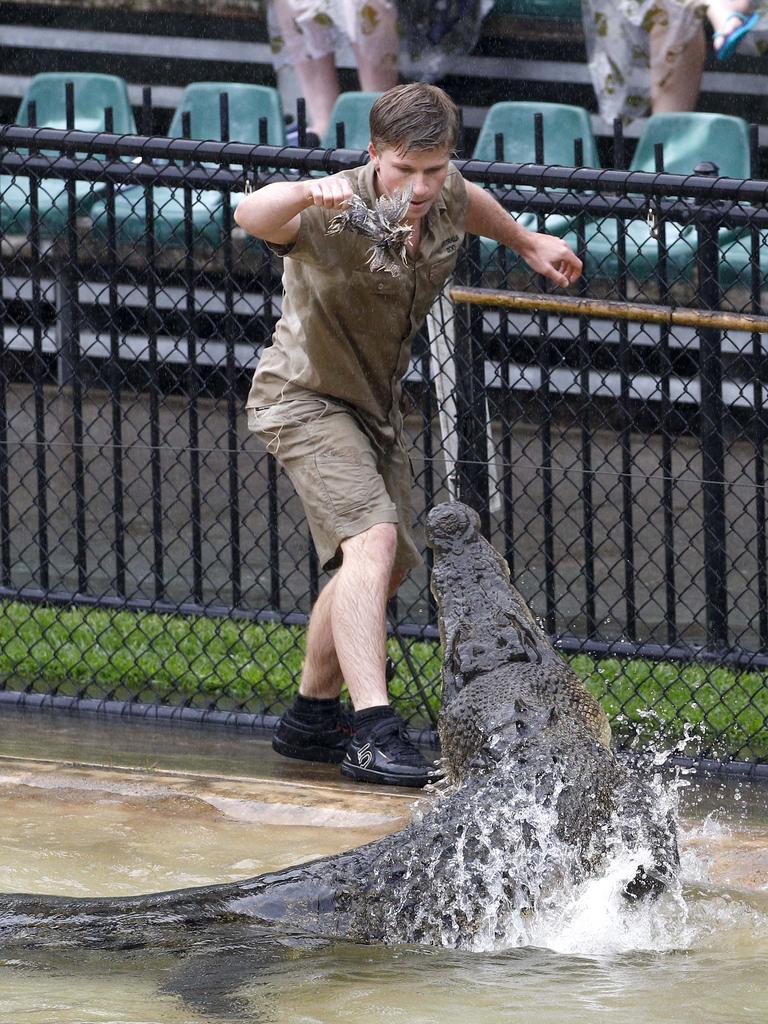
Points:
[(45, 105), (249, 108), (687, 139), (254, 114)]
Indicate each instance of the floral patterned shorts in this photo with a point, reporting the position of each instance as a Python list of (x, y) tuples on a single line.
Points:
[(301, 29)]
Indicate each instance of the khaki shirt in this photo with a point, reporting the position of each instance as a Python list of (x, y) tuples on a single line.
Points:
[(345, 332)]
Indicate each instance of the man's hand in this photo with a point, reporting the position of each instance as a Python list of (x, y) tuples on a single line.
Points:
[(551, 257), (546, 254), (332, 192), (274, 212)]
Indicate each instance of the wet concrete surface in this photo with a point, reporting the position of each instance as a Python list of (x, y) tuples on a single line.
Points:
[(206, 750), (97, 806)]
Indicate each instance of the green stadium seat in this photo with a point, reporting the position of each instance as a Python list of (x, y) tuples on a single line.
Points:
[(92, 94), (248, 104), (562, 126), (353, 109), (728, 148), (688, 139)]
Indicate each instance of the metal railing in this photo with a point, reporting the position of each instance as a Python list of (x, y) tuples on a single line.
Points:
[(617, 461)]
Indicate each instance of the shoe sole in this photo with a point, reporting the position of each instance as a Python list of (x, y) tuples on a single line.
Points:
[(358, 774), (325, 755)]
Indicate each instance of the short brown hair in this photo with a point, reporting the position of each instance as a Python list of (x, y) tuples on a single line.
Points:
[(415, 116)]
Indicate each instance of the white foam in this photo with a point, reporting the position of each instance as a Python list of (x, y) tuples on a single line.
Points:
[(485, 883)]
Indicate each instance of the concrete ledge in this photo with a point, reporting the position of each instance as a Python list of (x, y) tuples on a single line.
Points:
[(168, 714), (265, 724)]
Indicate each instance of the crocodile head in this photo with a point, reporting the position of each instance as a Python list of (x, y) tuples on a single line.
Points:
[(484, 620), (506, 691)]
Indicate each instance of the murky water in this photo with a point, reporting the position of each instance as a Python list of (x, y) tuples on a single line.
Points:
[(144, 820)]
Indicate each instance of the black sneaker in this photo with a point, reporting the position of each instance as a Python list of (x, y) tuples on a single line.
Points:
[(384, 754), (325, 741)]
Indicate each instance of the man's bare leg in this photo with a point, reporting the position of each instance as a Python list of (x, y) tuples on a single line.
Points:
[(317, 727), (347, 629), (359, 621), (347, 639), (321, 676), (380, 750)]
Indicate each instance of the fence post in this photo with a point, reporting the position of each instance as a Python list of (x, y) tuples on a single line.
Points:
[(759, 430), (5, 493), (153, 327), (230, 340), (471, 427), (666, 419), (70, 375), (626, 418), (67, 319), (711, 418)]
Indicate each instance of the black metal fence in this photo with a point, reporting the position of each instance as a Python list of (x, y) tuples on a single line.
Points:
[(150, 552)]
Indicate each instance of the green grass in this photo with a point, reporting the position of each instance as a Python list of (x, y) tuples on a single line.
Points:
[(725, 711), (225, 663), (143, 656)]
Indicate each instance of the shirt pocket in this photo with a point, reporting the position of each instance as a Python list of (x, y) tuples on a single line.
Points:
[(439, 271)]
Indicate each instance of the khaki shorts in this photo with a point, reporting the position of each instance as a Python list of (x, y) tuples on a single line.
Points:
[(346, 478)]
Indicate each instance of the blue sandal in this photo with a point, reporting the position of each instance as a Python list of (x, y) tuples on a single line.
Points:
[(730, 40)]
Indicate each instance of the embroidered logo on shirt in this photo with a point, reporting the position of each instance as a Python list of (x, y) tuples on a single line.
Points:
[(450, 244)]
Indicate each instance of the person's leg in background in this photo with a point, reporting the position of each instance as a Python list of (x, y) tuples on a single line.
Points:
[(678, 49), (730, 20), (375, 42), (304, 34), (308, 48), (676, 68), (627, 39)]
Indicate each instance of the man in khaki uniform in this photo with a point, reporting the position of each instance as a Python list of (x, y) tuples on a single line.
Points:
[(326, 401)]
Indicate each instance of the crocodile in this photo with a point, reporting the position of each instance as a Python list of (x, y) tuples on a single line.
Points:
[(533, 800)]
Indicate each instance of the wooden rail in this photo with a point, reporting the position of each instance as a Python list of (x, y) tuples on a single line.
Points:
[(605, 309)]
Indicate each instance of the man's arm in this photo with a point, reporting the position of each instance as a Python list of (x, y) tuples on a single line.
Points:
[(273, 213), (545, 254)]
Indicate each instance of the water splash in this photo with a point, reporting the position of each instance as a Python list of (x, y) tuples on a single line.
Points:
[(514, 861), (509, 878)]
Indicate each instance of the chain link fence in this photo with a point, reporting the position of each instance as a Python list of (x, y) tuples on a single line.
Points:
[(152, 554)]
